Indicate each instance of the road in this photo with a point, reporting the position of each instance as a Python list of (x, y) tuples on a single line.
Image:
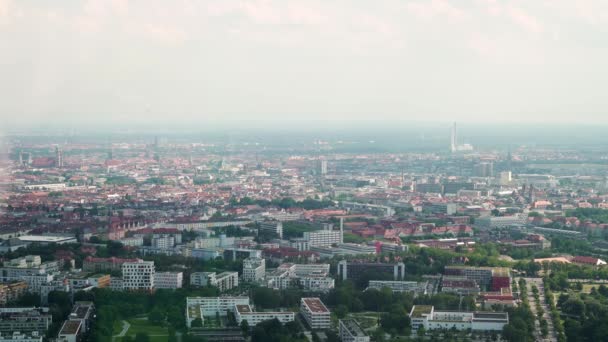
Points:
[(552, 337)]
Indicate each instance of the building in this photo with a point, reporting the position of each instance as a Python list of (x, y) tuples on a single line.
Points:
[(274, 227), (253, 318), (351, 331), (70, 331), (24, 320), (494, 278), (315, 313), (399, 286), (163, 242), (21, 337), (138, 275), (355, 270), (459, 285), (10, 292), (223, 281), (312, 277), (48, 239), (425, 316), (168, 280), (325, 237), (241, 253), (442, 208), (91, 264), (254, 269), (199, 307), (483, 169), (501, 221), (29, 269), (83, 312)]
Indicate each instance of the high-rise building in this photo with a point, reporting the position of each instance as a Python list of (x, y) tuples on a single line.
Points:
[(484, 169)]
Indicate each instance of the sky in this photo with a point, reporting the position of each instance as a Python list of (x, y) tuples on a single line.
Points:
[(287, 62)]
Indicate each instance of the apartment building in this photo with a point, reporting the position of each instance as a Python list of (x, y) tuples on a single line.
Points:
[(168, 280), (10, 292), (138, 275), (351, 331), (321, 238), (315, 313), (199, 307), (254, 270), (355, 269), (91, 264), (246, 313), (418, 288), (24, 320), (223, 281)]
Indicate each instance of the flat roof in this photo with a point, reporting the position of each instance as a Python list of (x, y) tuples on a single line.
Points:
[(70, 327), (353, 327), (45, 238), (315, 305), (243, 308), (419, 310)]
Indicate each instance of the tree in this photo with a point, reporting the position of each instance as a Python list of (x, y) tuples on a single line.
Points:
[(245, 328), (142, 337), (156, 317), (197, 323)]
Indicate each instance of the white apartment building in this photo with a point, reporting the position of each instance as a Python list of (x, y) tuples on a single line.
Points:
[(322, 238), (223, 281), (245, 313), (311, 277), (426, 316), (315, 313), (132, 241), (168, 280), (199, 307), (351, 331), (138, 275), (163, 242), (254, 269)]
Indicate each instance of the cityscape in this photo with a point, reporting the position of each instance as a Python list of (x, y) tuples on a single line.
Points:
[(303, 171)]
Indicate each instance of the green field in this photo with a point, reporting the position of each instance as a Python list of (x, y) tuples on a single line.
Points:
[(156, 333)]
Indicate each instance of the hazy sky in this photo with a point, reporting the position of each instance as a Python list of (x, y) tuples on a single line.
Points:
[(186, 61)]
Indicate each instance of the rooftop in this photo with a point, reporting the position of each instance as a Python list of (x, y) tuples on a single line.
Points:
[(70, 328), (419, 310), (353, 327), (315, 305)]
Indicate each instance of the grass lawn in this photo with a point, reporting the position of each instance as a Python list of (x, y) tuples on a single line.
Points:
[(587, 287), (156, 333)]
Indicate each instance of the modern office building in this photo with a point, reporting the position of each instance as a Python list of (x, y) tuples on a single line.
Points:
[(425, 316), (138, 276), (354, 269), (501, 221), (223, 281), (275, 227), (168, 280), (254, 270), (91, 264), (315, 313), (491, 278), (351, 331)]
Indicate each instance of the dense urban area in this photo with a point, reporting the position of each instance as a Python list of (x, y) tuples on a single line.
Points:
[(158, 238)]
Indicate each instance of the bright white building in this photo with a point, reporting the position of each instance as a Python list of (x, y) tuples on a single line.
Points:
[(325, 237), (168, 280), (138, 275), (254, 269), (223, 281), (315, 313), (399, 286), (425, 316)]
